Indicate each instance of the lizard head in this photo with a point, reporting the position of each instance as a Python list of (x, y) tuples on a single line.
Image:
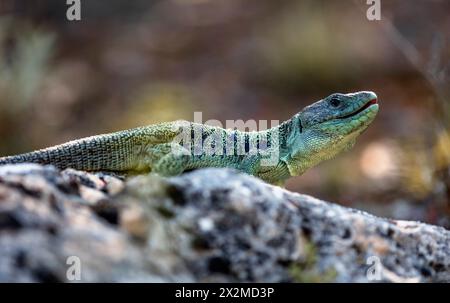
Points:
[(325, 128)]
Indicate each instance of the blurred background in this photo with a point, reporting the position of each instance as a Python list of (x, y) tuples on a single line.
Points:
[(132, 63)]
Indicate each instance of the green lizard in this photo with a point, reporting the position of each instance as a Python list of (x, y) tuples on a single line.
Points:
[(317, 133)]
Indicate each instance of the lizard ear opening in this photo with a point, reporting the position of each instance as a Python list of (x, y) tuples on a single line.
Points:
[(300, 127)]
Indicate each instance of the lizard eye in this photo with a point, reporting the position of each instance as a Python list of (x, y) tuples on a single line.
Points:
[(335, 102)]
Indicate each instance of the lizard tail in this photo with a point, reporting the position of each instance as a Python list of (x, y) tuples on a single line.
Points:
[(40, 157), (14, 159), (90, 154)]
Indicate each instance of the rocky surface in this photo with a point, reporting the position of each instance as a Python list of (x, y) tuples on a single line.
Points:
[(211, 225)]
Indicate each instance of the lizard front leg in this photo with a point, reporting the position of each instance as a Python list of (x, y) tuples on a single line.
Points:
[(252, 165), (273, 174), (173, 159)]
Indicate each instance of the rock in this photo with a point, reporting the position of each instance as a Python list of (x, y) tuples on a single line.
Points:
[(210, 225)]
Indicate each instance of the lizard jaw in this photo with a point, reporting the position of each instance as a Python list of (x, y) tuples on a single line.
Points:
[(364, 107)]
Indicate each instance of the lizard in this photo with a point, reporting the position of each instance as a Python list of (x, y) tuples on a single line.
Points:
[(317, 133)]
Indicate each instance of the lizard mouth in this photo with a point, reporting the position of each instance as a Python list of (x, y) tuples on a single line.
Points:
[(364, 107)]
